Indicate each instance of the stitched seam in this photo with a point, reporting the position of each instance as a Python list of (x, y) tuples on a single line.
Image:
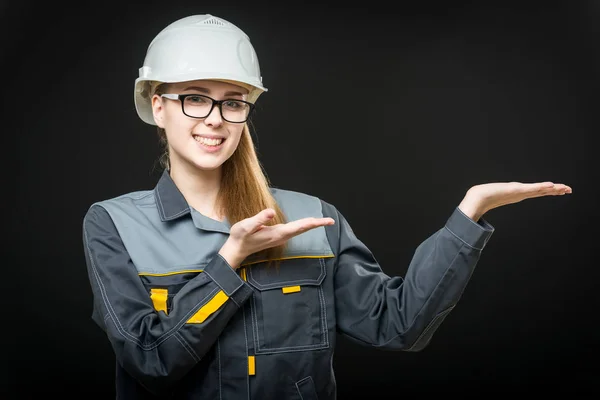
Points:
[(247, 354), (430, 326), (210, 276), (325, 330), (162, 210), (221, 287), (186, 345), (459, 238), (292, 349), (236, 303), (428, 299), (301, 381), (323, 322), (297, 281), (299, 392), (159, 204), (255, 317), (485, 224), (219, 367), (178, 214)]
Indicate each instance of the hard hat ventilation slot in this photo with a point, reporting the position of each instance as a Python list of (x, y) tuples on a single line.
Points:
[(213, 21)]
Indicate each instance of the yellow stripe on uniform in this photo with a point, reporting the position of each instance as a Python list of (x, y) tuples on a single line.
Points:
[(206, 310), (251, 366), (290, 289), (185, 271), (159, 299)]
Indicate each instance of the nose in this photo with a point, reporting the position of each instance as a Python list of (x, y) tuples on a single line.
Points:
[(214, 118)]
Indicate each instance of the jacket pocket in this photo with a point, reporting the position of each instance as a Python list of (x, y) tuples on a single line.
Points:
[(162, 288), (306, 389), (288, 306)]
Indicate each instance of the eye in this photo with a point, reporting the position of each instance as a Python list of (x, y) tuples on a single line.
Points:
[(234, 105), (196, 99)]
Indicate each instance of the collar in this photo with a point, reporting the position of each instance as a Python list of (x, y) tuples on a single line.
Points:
[(172, 205)]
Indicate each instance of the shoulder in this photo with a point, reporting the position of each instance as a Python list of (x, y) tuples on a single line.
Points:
[(139, 197), (126, 203), (286, 195), (299, 204)]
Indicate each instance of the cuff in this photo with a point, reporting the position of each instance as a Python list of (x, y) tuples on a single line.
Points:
[(473, 234), (227, 279)]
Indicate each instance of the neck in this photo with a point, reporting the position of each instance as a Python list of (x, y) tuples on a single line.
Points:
[(200, 188)]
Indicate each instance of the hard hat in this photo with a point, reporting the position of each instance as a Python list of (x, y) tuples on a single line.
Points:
[(197, 47)]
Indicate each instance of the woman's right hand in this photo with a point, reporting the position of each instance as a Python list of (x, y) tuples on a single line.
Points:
[(251, 235)]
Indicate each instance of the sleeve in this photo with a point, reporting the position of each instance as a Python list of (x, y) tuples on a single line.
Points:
[(402, 313), (155, 348)]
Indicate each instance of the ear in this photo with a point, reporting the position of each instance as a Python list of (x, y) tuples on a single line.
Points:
[(158, 110)]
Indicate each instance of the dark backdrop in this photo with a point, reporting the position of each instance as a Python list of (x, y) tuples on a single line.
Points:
[(452, 94)]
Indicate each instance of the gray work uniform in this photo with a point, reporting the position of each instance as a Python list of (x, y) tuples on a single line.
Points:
[(185, 325)]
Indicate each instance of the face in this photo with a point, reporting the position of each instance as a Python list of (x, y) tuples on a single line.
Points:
[(202, 143)]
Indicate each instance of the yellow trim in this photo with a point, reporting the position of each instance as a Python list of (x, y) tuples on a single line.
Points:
[(206, 310), (188, 271), (287, 258), (290, 289), (159, 299), (243, 273), (185, 271), (251, 366)]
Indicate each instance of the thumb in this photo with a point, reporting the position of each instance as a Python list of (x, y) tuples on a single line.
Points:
[(263, 217)]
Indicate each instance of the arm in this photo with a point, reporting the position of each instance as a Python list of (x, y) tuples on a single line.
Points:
[(155, 348), (402, 313)]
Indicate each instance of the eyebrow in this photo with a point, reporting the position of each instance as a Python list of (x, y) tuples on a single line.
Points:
[(207, 91)]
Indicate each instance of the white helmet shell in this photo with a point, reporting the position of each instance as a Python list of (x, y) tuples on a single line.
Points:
[(197, 47)]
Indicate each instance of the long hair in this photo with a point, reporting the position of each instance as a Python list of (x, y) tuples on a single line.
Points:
[(245, 187)]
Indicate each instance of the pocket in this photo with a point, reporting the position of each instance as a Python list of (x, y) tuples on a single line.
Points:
[(288, 306), (306, 389), (162, 288)]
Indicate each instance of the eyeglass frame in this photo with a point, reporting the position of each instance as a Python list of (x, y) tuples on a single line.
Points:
[(182, 97)]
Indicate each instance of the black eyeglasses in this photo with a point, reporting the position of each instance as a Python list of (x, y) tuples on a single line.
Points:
[(200, 106)]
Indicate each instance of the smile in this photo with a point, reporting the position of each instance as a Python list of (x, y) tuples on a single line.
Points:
[(213, 142)]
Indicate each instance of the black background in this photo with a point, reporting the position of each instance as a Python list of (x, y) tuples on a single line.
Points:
[(451, 94)]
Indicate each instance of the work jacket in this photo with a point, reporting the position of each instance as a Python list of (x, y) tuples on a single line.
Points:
[(184, 324)]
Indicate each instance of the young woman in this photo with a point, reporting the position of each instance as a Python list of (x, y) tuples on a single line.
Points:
[(214, 285)]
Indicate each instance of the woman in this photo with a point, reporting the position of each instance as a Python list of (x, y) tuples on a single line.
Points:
[(215, 285)]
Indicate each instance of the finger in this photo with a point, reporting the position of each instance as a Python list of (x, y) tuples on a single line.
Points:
[(564, 189), (259, 220), (555, 189), (302, 225), (536, 187), (313, 222), (264, 216), (559, 189), (544, 189)]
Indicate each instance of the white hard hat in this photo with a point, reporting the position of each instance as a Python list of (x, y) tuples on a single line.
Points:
[(197, 47)]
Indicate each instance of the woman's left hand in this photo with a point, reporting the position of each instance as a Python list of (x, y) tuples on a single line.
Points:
[(485, 197)]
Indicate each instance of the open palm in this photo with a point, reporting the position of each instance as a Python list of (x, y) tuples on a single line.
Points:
[(497, 194)]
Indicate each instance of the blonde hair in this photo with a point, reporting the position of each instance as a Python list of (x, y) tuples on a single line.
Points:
[(243, 177)]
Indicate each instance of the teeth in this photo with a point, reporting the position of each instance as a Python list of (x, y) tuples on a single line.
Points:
[(208, 142)]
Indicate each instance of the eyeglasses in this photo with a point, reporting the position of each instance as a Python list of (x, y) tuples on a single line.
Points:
[(200, 106)]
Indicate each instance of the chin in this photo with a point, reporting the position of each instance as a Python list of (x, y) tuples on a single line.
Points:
[(207, 167), (211, 165)]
